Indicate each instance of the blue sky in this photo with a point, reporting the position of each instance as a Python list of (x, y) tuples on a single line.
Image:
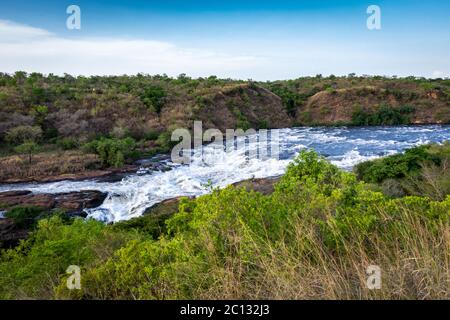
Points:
[(263, 40)]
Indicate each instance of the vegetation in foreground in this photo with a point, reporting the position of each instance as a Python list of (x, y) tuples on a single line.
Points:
[(421, 171), (312, 238), (109, 121)]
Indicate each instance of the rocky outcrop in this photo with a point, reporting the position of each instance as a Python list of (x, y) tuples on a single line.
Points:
[(72, 202), (166, 207), (265, 186), (335, 107), (10, 233)]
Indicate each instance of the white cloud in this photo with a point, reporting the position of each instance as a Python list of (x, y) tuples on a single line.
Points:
[(13, 32), (37, 50), (268, 58), (439, 74)]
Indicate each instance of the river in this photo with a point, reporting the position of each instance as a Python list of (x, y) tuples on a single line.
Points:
[(344, 147)]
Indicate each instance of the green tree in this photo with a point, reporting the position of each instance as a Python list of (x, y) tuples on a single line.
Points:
[(40, 113), (23, 134), (153, 97), (28, 148), (112, 152)]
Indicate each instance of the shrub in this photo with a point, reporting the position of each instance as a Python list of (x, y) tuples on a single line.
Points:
[(165, 141), (40, 113), (151, 135), (432, 181), (241, 121), (22, 134), (153, 97), (396, 166), (67, 143), (385, 115), (262, 124), (420, 171), (28, 148), (318, 231), (151, 224), (24, 217), (11, 120), (112, 152), (35, 267)]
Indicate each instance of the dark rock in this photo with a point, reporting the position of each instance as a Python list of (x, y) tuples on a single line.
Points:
[(10, 234), (168, 206), (153, 221), (71, 202), (76, 214), (78, 201), (265, 186), (26, 198), (15, 193)]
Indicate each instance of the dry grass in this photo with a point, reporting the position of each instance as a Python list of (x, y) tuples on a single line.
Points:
[(433, 181), (414, 265), (46, 165)]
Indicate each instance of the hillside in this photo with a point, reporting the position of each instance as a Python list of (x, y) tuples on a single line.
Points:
[(133, 115), (417, 105)]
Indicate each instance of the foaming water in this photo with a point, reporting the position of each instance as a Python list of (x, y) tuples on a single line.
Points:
[(344, 147)]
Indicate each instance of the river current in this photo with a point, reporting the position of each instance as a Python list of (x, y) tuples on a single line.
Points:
[(344, 147)]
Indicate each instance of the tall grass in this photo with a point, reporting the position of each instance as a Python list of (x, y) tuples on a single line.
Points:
[(414, 265), (313, 238)]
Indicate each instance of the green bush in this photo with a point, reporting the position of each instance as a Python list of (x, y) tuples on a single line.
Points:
[(28, 148), (290, 98), (396, 166), (33, 268), (319, 230), (112, 152), (40, 113), (24, 217), (22, 134), (153, 98), (153, 224), (242, 121), (385, 115), (151, 135), (67, 143), (165, 142)]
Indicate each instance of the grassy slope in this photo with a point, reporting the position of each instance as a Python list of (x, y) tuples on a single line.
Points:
[(313, 237), (74, 111)]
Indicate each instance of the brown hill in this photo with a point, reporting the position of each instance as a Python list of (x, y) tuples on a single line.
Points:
[(339, 105)]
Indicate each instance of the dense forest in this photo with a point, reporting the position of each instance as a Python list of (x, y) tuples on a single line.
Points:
[(311, 237), (51, 125)]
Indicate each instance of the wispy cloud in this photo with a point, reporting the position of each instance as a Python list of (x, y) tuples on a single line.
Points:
[(33, 49), (270, 57), (439, 74), (14, 32)]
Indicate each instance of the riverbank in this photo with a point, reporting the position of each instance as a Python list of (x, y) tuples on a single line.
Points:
[(318, 230), (54, 166), (130, 194), (421, 171), (81, 132), (69, 166)]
